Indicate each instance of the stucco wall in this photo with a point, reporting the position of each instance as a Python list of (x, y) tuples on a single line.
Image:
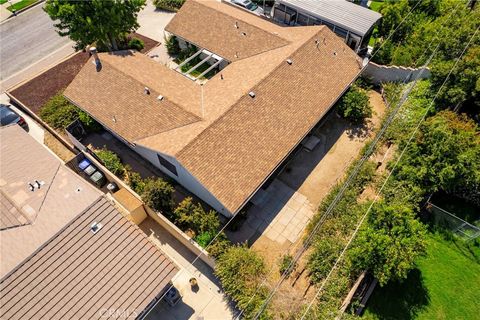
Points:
[(381, 74), (184, 178), (182, 237)]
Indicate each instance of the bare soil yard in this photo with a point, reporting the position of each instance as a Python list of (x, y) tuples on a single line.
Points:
[(313, 174)]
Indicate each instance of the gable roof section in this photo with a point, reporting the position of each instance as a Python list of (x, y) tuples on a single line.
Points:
[(10, 214), (62, 196), (339, 12), (219, 33), (233, 156), (80, 275), (116, 96)]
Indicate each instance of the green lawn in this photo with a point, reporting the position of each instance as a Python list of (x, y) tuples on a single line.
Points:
[(20, 5), (444, 286), (3, 1), (376, 5)]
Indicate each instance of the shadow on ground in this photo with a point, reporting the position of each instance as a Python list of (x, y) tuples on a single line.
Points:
[(400, 300)]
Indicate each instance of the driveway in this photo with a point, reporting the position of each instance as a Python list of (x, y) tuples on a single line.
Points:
[(34, 129)]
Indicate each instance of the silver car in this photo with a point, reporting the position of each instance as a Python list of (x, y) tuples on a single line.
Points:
[(249, 5)]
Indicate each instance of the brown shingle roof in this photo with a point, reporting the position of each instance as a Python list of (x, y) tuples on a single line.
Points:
[(230, 37), (239, 140), (81, 275), (233, 156), (116, 96)]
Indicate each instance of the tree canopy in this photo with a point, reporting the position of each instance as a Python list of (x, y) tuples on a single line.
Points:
[(389, 242), (95, 21), (241, 270), (444, 156), (355, 105)]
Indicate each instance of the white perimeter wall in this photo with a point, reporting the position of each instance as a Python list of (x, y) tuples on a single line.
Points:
[(184, 177)]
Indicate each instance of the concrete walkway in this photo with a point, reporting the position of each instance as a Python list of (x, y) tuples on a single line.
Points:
[(208, 302)]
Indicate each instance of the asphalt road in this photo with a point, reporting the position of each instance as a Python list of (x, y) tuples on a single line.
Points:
[(26, 39)]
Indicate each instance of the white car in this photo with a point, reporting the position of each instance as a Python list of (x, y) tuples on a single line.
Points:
[(249, 5)]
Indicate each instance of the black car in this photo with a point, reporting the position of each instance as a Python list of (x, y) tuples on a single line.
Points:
[(8, 116)]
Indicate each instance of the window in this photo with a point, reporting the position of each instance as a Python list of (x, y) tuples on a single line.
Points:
[(169, 166), (341, 32), (302, 20)]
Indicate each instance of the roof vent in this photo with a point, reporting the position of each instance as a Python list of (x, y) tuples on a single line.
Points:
[(289, 61), (236, 24), (114, 119), (160, 98), (334, 53), (95, 227), (146, 90), (251, 94), (244, 34)]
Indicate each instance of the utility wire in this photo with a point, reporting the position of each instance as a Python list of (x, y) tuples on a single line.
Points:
[(388, 176), (231, 219), (353, 174)]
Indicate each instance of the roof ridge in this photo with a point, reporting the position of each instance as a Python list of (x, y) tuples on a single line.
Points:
[(41, 247), (223, 13), (179, 154)]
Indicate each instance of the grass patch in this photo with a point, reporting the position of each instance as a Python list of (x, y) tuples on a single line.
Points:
[(3, 1), (444, 285), (20, 5), (376, 5)]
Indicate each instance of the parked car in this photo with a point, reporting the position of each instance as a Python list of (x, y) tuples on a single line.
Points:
[(8, 116), (249, 5)]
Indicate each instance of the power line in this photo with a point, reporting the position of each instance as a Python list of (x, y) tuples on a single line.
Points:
[(231, 219), (353, 174), (386, 180)]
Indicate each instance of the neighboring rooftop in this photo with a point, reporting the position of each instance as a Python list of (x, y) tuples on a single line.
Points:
[(342, 13), (236, 141), (29, 218), (87, 273)]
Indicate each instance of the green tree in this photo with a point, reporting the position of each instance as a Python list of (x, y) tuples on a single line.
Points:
[(355, 105), (241, 271), (463, 84), (389, 243), (192, 216), (444, 156), (58, 112), (158, 194), (88, 22)]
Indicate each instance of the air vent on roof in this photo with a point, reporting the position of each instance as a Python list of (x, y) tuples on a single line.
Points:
[(95, 227), (146, 90), (236, 24), (160, 98), (251, 94), (244, 34), (334, 53), (114, 119), (289, 61)]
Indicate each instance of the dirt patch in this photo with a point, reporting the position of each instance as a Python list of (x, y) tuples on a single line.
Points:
[(36, 92), (313, 174), (57, 147)]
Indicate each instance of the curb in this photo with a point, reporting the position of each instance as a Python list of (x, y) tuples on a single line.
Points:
[(23, 10)]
